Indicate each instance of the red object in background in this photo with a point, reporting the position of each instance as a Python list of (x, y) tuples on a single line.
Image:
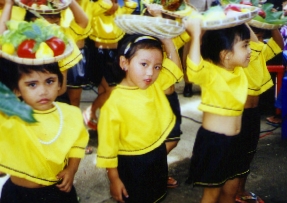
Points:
[(25, 49)]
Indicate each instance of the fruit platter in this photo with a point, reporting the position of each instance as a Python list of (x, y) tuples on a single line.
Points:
[(174, 8), (267, 17), (218, 17), (34, 43), (44, 6), (157, 27)]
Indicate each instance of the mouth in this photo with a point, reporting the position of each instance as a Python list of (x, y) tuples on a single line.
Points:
[(148, 81), (43, 101)]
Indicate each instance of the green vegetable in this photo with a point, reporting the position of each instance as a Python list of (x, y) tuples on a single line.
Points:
[(12, 106)]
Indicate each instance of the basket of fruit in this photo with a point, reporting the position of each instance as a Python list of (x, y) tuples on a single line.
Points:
[(174, 8), (154, 26), (34, 43), (268, 19), (218, 17), (44, 6)]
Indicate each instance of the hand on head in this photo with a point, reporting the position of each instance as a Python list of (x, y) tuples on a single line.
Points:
[(192, 25)]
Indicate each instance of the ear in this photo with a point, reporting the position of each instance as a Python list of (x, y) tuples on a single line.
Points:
[(225, 55), (124, 63), (17, 92)]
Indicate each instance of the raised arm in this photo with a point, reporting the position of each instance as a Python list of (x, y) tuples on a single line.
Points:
[(278, 38), (193, 28), (80, 16), (171, 51), (6, 14)]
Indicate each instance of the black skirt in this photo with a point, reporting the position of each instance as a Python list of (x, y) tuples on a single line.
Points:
[(144, 176), (12, 193), (214, 159)]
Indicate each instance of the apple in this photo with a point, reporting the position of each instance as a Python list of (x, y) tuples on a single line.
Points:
[(232, 7), (262, 13)]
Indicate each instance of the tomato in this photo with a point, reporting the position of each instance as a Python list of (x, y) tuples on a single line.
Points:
[(25, 49), (57, 45)]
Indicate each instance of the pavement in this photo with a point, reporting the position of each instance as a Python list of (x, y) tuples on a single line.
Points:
[(268, 177)]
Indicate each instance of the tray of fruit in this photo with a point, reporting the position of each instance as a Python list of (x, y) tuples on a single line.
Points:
[(34, 43), (154, 26), (173, 8), (267, 18), (218, 17), (44, 6)]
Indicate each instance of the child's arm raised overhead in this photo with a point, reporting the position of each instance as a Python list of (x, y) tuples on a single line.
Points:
[(6, 15), (79, 14), (276, 35), (193, 27)]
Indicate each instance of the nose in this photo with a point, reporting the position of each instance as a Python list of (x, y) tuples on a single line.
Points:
[(43, 90), (149, 71)]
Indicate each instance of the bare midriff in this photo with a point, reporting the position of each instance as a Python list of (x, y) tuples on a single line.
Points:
[(228, 125), (25, 183)]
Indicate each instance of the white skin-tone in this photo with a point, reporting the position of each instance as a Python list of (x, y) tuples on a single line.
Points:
[(228, 125), (39, 90)]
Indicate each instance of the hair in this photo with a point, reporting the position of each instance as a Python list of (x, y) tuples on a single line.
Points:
[(129, 46), (11, 72), (215, 41)]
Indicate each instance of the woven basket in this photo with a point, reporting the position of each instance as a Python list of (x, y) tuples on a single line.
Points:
[(242, 17), (28, 61), (44, 11), (154, 26), (179, 14), (261, 25)]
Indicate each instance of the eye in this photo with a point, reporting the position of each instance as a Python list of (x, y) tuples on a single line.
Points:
[(32, 84), (50, 81), (157, 67), (144, 64)]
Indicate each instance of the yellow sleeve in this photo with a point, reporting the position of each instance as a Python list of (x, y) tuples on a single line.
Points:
[(170, 74), (128, 8), (181, 40), (107, 155), (197, 73), (76, 32), (271, 49), (97, 8)]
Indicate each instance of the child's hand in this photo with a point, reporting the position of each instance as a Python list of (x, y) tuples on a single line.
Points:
[(154, 9), (118, 189), (192, 24), (67, 177)]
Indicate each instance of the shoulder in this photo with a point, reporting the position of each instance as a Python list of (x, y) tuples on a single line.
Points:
[(66, 108)]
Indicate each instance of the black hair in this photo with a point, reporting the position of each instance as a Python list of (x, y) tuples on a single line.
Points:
[(215, 41), (11, 72), (128, 46)]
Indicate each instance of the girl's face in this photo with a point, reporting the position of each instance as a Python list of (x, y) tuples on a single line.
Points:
[(38, 89), (240, 56), (143, 69)]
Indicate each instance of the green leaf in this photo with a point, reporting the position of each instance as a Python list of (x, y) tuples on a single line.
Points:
[(12, 106)]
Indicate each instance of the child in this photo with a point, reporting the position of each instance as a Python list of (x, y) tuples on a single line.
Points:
[(259, 80), (218, 71), (43, 156), (136, 119), (105, 35)]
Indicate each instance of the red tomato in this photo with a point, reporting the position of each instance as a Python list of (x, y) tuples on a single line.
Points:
[(25, 49), (57, 45)]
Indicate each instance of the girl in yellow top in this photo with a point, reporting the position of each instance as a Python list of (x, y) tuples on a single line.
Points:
[(105, 35), (43, 156), (218, 70), (136, 119), (259, 80)]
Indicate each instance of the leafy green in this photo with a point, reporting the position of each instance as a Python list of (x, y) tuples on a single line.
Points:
[(39, 30), (12, 106)]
